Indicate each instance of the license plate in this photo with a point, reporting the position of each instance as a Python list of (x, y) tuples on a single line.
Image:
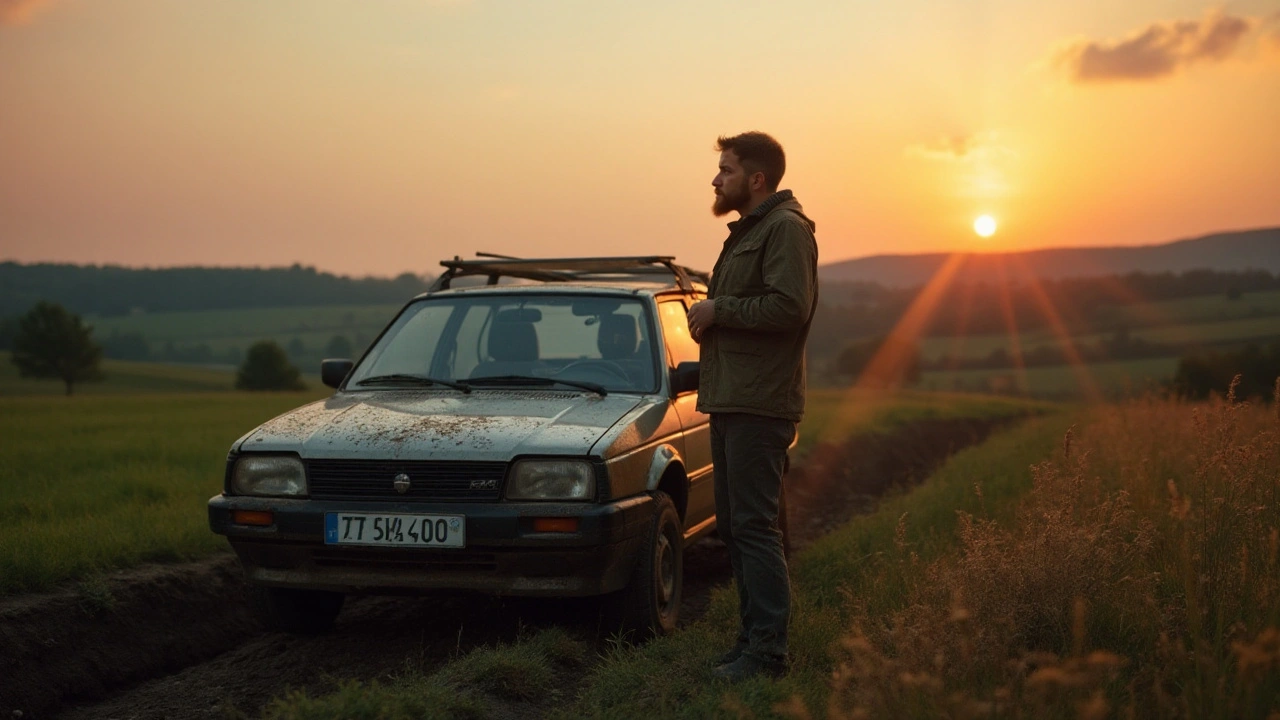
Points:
[(395, 529)]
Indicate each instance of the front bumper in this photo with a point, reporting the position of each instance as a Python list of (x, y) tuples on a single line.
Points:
[(503, 553)]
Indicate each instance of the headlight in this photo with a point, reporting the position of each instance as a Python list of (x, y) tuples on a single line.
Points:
[(551, 480), (269, 475)]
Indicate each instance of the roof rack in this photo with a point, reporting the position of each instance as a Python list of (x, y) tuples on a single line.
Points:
[(565, 269)]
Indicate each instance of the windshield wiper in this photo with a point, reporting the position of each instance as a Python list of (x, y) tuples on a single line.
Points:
[(394, 378), (534, 380)]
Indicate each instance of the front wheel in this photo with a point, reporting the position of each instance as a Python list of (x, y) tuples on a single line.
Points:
[(295, 611), (650, 604)]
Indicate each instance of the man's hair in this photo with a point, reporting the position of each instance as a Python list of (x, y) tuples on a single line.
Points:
[(758, 153)]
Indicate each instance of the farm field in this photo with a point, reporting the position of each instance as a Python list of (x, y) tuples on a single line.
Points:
[(97, 482), (1204, 320), (1127, 378), (1111, 561)]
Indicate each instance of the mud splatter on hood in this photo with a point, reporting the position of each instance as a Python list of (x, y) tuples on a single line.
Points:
[(428, 424)]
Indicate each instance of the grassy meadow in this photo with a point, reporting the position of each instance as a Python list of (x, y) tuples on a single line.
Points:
[(92, 483), (1117, 560)]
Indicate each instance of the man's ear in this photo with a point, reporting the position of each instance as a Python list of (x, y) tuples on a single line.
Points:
[(757, 181)]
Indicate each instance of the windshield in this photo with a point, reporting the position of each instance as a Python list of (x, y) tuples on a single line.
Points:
[(484, 340)]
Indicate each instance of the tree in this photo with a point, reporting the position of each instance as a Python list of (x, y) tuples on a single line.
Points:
[(266, 367), (53, 343)]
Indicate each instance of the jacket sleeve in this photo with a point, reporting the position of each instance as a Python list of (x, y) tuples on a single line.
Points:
[(789, 270)]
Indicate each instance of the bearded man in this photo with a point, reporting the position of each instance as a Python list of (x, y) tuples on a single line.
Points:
[(752, 329)]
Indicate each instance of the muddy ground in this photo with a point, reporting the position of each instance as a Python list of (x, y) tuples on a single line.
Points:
[(177, 641)]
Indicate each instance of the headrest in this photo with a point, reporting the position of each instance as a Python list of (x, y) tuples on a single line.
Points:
[(617, 336), (512, 340)]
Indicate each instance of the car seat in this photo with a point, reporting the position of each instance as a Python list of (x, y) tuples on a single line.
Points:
[(513, 347)]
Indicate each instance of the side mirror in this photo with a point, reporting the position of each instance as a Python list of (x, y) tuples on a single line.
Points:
[(333, 372), (685, 377)]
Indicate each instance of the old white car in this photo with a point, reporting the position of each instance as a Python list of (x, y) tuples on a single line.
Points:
[(535, 435)]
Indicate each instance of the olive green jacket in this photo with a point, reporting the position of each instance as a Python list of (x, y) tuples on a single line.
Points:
[(765, 288)]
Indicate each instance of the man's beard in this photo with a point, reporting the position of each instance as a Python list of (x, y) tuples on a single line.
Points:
[(728, 201)]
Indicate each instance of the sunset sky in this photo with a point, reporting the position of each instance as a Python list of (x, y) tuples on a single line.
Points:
[(378, 137)]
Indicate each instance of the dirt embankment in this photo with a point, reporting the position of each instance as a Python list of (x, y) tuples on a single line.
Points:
[(177, 641)]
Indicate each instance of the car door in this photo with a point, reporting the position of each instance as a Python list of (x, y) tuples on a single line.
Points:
[(680, 347)]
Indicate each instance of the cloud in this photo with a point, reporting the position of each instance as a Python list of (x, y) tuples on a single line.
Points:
[(18, 12), (1156, 51), (975, 147)]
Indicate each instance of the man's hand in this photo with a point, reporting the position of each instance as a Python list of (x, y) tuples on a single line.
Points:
[(701, 317)]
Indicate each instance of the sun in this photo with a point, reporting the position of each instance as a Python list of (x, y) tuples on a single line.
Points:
[(985, 226)]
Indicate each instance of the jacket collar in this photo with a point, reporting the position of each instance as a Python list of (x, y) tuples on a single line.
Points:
[(761, 210)]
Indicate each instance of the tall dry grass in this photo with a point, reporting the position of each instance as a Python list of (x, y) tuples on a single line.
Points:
[(1139, 580)]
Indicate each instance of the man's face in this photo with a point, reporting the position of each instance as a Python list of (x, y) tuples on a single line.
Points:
[(732, 189)]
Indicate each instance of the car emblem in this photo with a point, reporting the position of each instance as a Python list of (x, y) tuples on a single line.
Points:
[(401, 483)]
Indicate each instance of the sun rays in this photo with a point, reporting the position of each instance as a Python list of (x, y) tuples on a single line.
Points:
[(1016, 284)]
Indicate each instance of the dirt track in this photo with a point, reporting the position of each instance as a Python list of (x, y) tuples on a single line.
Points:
[(178, 642)]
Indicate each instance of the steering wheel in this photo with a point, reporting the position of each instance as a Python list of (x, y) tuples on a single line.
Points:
[(609, 366)]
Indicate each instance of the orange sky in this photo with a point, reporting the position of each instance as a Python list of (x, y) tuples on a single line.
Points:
[(378, 137)]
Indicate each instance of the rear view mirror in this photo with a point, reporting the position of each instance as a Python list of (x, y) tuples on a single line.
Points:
[(685, 378), (333, 372)]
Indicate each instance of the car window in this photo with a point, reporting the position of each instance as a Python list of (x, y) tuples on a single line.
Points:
[(419, 329), (675, 328), (599, 339)]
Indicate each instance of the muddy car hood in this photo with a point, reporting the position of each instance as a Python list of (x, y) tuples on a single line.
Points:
[(421, 425)]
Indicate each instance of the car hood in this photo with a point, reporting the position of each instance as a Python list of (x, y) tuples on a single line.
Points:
[(430, 425)]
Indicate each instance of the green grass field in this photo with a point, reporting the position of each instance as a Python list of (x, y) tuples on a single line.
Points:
[(833, 414), (97, 482)]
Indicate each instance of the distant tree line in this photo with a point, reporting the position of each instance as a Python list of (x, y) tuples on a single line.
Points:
[(111, 290)]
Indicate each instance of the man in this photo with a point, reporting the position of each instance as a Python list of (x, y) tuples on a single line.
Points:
[(753, 330)]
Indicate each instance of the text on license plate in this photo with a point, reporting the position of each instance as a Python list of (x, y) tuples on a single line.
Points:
[(395, 529)]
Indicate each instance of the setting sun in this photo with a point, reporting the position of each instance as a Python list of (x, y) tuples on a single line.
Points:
[(985, 225)]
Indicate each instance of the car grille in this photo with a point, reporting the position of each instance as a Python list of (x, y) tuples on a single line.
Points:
[(428, 480)]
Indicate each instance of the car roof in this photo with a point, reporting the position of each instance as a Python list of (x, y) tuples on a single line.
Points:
[(610, 287), (625, 275)]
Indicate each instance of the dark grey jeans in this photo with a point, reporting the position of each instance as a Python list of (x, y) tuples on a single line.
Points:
[(749, 453)]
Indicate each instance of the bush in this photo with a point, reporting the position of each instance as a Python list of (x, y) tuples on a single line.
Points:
[(1200, 375), (266, 367)]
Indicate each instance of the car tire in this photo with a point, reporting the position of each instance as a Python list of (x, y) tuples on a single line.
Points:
[(295, 611), (650, 604)]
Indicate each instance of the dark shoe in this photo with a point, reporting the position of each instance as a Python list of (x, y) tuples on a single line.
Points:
[(749, 666), (732, 655)]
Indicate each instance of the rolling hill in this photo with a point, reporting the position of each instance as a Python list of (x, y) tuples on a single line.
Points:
[(1257, 249)]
